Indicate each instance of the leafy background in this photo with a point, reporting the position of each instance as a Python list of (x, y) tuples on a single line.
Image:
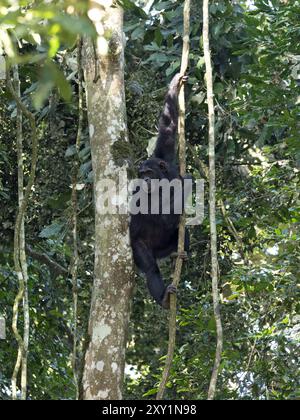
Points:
[(257, 90)]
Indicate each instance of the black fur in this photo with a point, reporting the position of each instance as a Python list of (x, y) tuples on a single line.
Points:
[(156, 236)]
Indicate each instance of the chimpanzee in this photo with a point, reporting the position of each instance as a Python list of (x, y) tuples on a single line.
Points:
[(155, 236)]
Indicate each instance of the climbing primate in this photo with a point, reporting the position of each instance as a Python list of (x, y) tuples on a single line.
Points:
[(155, 236)]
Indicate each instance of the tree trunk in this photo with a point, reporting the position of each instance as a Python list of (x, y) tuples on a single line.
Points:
[(103, 63)]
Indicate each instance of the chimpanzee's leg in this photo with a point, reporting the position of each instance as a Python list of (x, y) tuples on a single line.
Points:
[(168, 250), (171, 249), (144, 259)]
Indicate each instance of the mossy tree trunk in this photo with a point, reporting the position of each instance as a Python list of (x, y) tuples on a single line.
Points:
[(103, 62)]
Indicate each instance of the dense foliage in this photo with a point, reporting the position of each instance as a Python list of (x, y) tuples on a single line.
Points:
[(257, 91)]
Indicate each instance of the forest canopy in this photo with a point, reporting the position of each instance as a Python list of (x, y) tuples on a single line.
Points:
[(46, 48)]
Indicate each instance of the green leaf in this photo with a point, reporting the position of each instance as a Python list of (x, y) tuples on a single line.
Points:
[(51, 76), (71, 151), (61, 82), (150, 392), (42, 93), (201, 63), (199, 97), (54, 44), (131, 6), (158, 37), (172, 68), (138, 33), (218, 88)]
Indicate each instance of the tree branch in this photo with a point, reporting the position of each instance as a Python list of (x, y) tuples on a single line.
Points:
[(234, 232), (54, 267)]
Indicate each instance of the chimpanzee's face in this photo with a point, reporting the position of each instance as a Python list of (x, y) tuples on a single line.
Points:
[(153, 169)]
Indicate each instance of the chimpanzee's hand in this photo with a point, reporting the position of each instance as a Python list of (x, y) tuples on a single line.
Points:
[(170, 290), (184, 79), (178, 80)]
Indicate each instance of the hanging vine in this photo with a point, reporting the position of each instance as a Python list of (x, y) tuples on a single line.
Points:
[(212, 200), (75, 261), (181, 238), (19, 234)]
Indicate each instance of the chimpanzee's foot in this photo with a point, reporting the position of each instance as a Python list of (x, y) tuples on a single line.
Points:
[(170, 290), (183, 255)]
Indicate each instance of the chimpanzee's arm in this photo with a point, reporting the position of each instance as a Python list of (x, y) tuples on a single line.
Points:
[(168, 123)]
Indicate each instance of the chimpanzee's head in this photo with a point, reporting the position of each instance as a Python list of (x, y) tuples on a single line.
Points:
[(153, 168)]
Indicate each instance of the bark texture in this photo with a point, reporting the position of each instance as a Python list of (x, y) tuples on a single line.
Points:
[(103, 61)]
